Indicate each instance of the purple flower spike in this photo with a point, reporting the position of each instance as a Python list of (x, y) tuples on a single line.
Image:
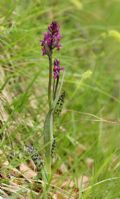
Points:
[(51, 39), (57, 69)]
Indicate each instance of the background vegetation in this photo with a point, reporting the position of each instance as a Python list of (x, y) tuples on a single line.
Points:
[(88, 130)]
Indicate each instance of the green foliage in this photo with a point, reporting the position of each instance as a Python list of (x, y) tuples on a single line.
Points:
[(91, 58)]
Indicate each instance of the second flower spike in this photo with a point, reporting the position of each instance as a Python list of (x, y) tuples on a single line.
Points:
[(57, 68)]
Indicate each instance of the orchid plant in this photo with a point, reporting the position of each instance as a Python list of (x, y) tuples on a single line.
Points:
[(50, 42)]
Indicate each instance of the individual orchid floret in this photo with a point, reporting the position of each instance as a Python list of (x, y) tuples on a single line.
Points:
[(57, 68), (51, 39)]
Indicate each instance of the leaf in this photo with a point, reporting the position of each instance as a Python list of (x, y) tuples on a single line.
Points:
[(58, 196), (48, 138), (83, 181), (60, 103), (77, 4), (27, 172), (114, 34), (90, 162), (59, 91), (80, 149), (63, 168), (37, 161)]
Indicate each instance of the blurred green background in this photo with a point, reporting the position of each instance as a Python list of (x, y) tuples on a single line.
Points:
[(89, 127)]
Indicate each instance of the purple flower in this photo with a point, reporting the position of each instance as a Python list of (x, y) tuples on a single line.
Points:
[(57, 69), (51, 39)]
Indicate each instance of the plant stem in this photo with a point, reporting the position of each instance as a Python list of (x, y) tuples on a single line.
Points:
[(50, 82), (53, 88), (48, 125)]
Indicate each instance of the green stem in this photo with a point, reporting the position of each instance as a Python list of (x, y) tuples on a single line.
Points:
[(48, 125), (53, 88), (50, 82)]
